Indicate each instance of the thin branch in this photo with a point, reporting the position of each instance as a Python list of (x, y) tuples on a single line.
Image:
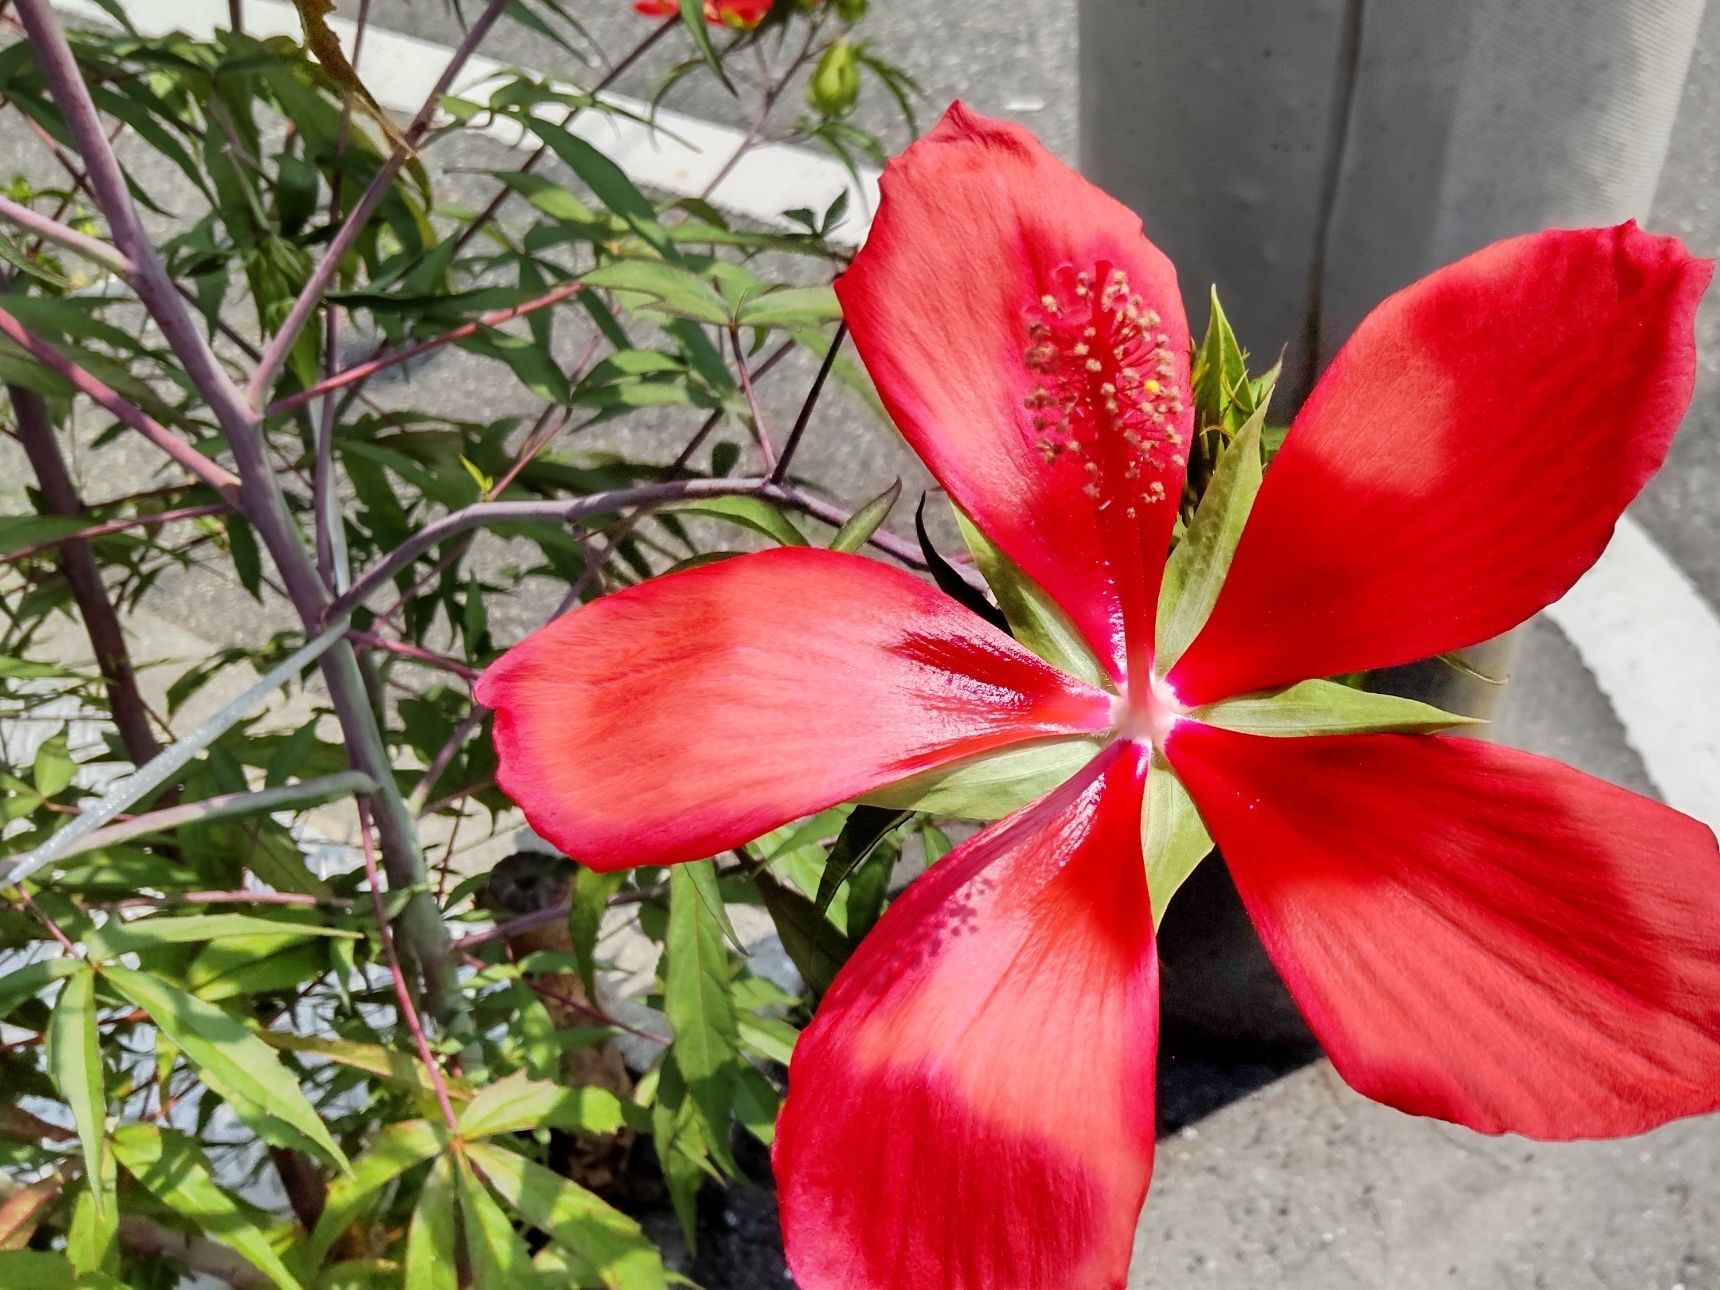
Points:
[(487, 513), (307, 792), (760, 435), (444, 755), (83, 575), (408, 1010), (795, 435), (113, 526), (416, 653), (51, 230), (217, 477), (281, 343), (406, 353)]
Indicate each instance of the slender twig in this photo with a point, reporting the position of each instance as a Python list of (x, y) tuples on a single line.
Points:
[(795, 435), (408, 1010), (54, 930), (310, 297), (302, 899), (115, 526), (307, 792), (83, 575), (51, 230), (483, 514), (406, 353), (761, 436), (423, 931), (444, 755), (417, 653), (217, 477)]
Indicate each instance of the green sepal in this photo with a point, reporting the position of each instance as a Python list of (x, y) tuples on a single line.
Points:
[(990, 786), (1173, 838), (1034, 618), (1327, 708), (1196, 569)]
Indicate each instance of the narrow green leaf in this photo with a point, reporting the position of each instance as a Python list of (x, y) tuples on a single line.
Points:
[(665, 288), (75, 1063), (1173, 838), (1327, 708), (607, 180), (1196, 569), (587, 902), (120, 936), (697, 1003), (866, 828), (791, 307), (693, 19), (431, 1252), (170, 1167), (396, 1069), (393, 1150), (949, 579), (498, 1255), (813, 944), (37, 1269), (518, 1104), (866, 521), (54, 766), (601, 1239), (749, 512), (233, 1062), (1035, 619), (704, 876), (991, 785), (1219, 372), (31, 979)]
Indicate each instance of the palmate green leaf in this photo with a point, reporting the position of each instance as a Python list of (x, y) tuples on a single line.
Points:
[(991, 785), (866, 521), (75, 1064), (497, 1252), (1173, 838), (394, 1149), (1035, 619), (233, 1062), (596, 1237), (697, 1003), (431, 1239), (1327, 708), (1197, 567), (171, 1168), (120, 936)]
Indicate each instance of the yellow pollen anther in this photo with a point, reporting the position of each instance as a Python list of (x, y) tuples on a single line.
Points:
[(1151, 386), (1094, 365)]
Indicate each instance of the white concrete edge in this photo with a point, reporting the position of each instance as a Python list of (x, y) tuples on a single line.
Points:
[(681, 156), (1652, 644)]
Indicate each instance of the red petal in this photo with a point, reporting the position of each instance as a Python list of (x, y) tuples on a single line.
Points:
[(972, 1107), (692, 713), (1461, 463), (979, 225), (1475, 933)]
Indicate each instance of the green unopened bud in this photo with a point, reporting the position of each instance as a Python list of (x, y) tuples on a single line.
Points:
[(850, 11), (835, 84)]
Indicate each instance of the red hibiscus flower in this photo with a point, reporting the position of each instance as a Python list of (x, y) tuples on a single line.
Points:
[(1473, 933), (724, 13)]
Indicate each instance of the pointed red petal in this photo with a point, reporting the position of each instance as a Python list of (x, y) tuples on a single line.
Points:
[(1461, 463), (972, 1107), (964, 305), (1476, 933), (676, 719)]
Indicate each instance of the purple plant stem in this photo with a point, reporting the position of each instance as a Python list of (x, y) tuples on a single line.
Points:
[(486, 513), (116, 526), (424, 934), (83, 575), (281, 343), (406, 353), (51, 230), (211, 473), (408, 1010)]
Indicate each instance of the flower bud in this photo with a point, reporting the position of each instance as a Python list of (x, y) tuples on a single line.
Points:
[(835, 84)]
